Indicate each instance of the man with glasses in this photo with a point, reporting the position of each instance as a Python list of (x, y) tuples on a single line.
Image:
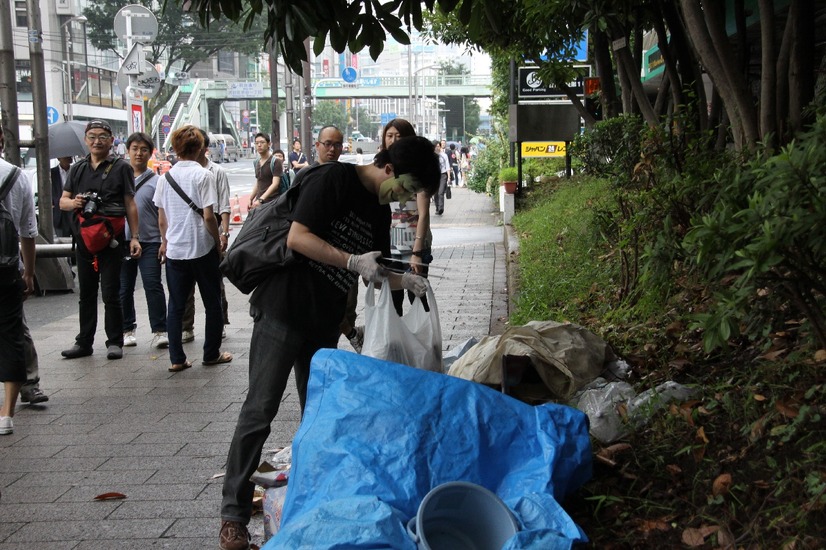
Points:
[(113, 181), (330, 144)]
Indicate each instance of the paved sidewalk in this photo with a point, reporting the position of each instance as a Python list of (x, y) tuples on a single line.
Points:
[(132, 427)]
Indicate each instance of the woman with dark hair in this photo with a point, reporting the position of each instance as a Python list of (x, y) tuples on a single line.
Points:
[(189, 246)]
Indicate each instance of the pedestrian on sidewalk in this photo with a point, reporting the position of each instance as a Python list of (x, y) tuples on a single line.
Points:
[(139, 147), (297, 310), (446, 174), (453, 157), (112, 180), (298, 159), (189, 245), (268, 171), (18, 227), (222, 211)]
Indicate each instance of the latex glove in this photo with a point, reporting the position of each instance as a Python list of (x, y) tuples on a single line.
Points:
[(366, 266), (415, 284)]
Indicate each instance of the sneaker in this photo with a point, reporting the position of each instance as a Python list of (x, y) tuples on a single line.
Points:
[(7, 427), (33, 395), (233, 536), (357, 339), (187, 336), (159, 341), (114, 352), (129, 339)]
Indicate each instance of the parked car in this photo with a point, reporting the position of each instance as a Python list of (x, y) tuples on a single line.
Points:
[(225, 143)]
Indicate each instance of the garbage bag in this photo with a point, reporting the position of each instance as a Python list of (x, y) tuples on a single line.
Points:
[(379, 430), (565, 356), (414, 339)]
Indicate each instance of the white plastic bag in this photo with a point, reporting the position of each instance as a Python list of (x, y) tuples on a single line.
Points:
[(414, 339)]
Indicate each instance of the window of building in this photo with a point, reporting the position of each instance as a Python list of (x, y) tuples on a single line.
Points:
[(20, 14), (23, 78), (226, 62)]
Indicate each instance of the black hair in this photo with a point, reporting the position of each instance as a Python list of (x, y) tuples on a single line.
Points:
[(141, 136), (413, 155), (206, 137), (263, 135)]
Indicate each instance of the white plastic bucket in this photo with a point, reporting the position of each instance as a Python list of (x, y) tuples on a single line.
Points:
[(462, 516)]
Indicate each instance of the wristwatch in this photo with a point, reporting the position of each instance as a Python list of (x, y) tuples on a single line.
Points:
[(224, 233), (137, 236)]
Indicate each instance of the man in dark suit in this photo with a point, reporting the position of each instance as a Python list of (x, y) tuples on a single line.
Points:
[(62, 220)]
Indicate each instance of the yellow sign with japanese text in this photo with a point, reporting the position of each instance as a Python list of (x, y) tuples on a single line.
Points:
[(543, 149)]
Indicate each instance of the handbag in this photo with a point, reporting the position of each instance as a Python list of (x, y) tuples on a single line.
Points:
[(98, 232), (447, 192), (414, 339)]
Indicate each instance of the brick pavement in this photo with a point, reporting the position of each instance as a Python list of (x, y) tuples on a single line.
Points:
[(161, 438)]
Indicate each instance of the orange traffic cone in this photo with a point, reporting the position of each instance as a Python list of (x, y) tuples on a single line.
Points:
[(235, 215)]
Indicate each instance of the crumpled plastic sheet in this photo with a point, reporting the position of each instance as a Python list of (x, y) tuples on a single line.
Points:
[(376, 437)]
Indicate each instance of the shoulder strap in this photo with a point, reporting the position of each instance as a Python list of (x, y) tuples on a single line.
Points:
[(143, 178), (183, 195), (8, 182), (272, 164)]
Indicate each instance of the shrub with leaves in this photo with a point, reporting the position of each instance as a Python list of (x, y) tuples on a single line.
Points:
[(487, 164), (764, 243)]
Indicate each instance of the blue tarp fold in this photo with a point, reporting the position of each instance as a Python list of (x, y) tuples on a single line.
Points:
[(376, 437)]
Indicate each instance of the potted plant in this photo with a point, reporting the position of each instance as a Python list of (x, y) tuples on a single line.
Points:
[(508, 177)]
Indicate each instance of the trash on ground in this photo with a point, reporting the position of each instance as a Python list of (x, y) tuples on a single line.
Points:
[(376, 437), (456, 352), (564, 357)]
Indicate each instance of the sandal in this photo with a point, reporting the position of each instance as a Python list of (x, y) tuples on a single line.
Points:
[(178, 368), (223, 357)]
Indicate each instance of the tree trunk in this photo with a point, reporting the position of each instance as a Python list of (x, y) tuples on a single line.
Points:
[(801, 64), (768, 77), (630, 75), (702, 42), (782, 90), (670, 65), (687, 62), (605, 71)]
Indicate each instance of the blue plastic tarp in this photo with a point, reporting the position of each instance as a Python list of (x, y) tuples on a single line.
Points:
[(376, 437)]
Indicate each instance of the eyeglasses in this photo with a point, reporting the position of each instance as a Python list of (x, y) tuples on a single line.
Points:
[(100, 137), (332, 144)]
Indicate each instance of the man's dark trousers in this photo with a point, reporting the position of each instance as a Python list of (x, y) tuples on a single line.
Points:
[(107, 276)]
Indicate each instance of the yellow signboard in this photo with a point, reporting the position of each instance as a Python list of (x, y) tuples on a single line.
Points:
[(543, 149)]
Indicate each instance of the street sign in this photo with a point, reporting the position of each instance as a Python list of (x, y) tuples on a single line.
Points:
[(149, 80), (134, 60), (52, 115), (135, 23), (245, 120), (543, 149), (166, 119), (387, 117), (349, 74), (165, 127), (531, 87)]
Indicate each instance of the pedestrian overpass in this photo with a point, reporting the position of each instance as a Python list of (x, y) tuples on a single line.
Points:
[(201, 102)]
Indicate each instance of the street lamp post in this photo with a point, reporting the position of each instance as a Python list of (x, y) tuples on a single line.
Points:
[(419, 117), (69, 115)]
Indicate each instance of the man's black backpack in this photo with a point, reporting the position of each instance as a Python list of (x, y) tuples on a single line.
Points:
[(9, 238), (261, 246)]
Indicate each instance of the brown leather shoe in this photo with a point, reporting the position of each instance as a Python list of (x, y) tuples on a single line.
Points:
[(234, 536)]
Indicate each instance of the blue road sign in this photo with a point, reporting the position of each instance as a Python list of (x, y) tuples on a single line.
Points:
[(52, 115), (387, 117), (349, 74)]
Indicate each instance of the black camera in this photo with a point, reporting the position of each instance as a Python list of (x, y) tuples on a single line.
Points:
[(90, 207)]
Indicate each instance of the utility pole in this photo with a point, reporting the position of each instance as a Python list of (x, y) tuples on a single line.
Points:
[(276, 126), (307, 119), (41, 126), (8, 87), (289, 97)]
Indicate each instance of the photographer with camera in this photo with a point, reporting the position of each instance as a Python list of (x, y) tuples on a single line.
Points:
[(100, 190)]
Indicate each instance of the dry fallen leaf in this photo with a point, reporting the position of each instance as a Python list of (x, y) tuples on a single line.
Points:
[(758, 397), (820, 355), (696, 536), (216, 476), (648, 525), (721, 485), (110, 496), (673, 469), (773, 355), (789, 411), (725, 539)]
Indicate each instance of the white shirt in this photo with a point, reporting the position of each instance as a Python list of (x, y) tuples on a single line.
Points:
[(222, 184), (186, 233), (20, 203)]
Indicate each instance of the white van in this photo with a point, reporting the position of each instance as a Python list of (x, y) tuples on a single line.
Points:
[(223, 143)]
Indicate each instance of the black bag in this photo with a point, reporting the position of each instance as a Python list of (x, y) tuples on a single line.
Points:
[(9, 239), (447, 192), (261, 246)]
